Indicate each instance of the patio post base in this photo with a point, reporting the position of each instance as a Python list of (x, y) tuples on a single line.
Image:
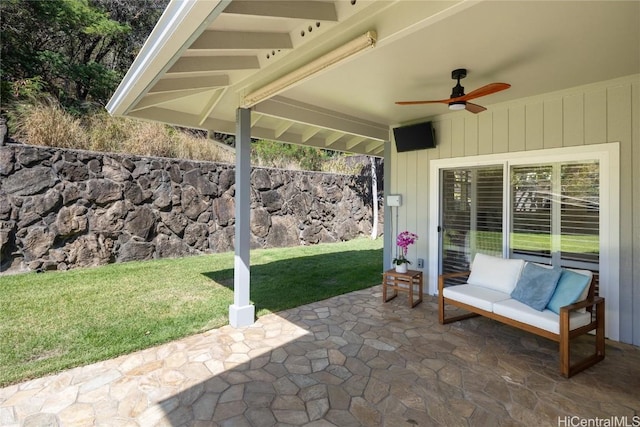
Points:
[(240, 316)]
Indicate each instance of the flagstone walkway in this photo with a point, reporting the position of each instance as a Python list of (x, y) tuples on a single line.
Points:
[(347, 361)]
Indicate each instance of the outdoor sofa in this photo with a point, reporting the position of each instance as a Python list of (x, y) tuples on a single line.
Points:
[(558, 304)]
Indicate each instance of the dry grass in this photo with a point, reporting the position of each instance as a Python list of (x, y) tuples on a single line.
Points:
[(118, 134), (46, 123), (342, 165)]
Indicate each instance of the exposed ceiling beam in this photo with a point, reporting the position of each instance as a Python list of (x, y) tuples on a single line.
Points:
[(239, 40), (298, 9), (185, 120), (309, 132), (202, 83), (197, 64), (374, 146), (311, 115), (354, 141), (213, 101), (172, 33), (282, 128), (229, 127), (331, 139), (160, 98)]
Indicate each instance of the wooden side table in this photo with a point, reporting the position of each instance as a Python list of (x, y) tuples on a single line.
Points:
[(403, 282)]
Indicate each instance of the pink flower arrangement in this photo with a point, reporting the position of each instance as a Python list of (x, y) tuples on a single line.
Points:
[(403, 241)]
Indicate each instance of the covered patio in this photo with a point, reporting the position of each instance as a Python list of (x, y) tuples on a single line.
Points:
[(351, 360), (328, 74)]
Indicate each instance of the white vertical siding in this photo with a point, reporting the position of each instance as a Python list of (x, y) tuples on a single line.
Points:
[(603, 112), (573, 114), (471, 135), (619, 129), (457, 136), (534, 139), (485, 133), (422, 206), (595, 112), (552, 125), (501, 130), (516, 128), (633, 317), (411, 203)]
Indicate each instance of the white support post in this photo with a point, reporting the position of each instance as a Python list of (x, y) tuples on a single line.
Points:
[(242, 312)]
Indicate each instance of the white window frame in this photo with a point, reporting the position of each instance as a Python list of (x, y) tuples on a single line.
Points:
[(608, 156)]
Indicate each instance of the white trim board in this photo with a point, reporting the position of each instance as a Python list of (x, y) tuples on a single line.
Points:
[(608, 155)]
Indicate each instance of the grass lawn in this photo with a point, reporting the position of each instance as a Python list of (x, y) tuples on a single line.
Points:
[(57, 320), (579, 244)]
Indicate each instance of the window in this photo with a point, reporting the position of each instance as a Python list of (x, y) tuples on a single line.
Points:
[(555, 213)]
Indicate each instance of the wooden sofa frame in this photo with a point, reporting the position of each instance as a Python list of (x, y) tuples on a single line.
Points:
[(592, 303)]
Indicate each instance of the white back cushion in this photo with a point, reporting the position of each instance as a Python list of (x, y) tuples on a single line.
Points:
[(491, 272)]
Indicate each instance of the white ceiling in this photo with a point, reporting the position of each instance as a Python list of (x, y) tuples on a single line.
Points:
[(204, 57)]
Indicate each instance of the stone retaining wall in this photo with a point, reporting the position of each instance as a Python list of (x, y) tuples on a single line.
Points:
[(61, 209)]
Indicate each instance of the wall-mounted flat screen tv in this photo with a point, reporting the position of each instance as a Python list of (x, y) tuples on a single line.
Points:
[(414, 137)]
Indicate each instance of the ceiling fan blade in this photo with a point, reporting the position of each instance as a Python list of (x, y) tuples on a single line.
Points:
[(440, 101), (474, 108), (484, 91)]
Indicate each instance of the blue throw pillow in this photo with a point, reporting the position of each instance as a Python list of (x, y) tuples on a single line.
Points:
[(536, 285), (569, 288)]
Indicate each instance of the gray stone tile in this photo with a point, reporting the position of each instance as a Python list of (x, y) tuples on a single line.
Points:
[(346, 361)]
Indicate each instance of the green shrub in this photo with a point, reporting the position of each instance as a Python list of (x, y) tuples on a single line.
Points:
[(286, 156)]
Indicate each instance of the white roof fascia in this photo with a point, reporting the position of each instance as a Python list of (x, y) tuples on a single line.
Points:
[(171, 36)]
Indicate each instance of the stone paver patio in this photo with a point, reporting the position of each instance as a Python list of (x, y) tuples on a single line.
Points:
[(347, 361)]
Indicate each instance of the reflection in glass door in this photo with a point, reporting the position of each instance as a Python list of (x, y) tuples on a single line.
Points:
[(471, 215)]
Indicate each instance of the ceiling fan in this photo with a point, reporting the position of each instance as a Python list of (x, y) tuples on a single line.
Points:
[(458, 99)]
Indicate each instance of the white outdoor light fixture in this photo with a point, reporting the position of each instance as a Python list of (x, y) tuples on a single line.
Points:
[(325, 61)]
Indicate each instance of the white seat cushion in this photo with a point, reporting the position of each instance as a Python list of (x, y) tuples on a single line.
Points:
[(500, 274), (546, 319), (477, 296)]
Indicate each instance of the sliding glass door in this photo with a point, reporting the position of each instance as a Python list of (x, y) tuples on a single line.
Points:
[(551, 212), (471, 218), (558, 206)]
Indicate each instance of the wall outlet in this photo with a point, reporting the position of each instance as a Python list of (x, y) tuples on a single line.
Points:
[(420, 263)]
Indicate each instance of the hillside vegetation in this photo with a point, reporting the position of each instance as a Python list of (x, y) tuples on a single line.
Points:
[(46, 122)]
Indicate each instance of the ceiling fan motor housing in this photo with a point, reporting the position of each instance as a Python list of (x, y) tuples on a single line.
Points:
[(458, 89), (458, 74)]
